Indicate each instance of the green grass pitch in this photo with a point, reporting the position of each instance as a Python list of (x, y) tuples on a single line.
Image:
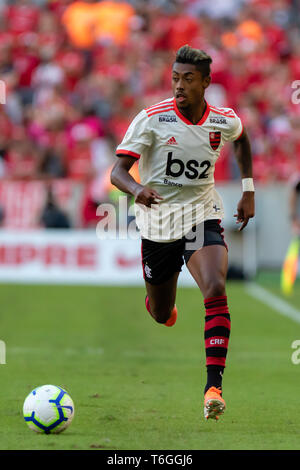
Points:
[(139, 385)]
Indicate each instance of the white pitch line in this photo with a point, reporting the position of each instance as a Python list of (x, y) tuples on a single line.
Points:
[(274, 302)]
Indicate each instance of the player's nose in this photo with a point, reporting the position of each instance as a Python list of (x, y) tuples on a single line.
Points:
[(180, 91), (180, 84)]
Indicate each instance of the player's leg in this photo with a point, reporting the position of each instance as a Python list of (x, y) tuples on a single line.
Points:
[(207, 260), (162, 264), (208, 266), (160, 300)]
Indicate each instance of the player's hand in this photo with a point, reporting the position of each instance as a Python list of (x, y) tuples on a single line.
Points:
[(245, 209), (146, 196)]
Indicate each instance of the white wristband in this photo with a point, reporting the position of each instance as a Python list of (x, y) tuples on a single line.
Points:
[(247, 184)]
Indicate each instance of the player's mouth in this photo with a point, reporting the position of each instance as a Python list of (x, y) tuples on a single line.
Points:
[(180, 97)]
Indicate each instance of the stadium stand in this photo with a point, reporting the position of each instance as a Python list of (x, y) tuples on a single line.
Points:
[(77, 72)]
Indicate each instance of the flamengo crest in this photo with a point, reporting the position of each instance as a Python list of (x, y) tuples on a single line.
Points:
[(214, 139)]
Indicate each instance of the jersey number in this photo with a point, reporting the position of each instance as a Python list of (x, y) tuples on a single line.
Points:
[(192, 170)]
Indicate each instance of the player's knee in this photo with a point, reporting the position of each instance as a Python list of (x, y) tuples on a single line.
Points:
[(215, 288)]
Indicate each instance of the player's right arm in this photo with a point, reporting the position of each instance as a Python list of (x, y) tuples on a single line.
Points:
[(136, 141), (122, 179)]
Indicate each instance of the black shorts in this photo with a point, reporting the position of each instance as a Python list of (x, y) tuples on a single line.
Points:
[(161, 260)]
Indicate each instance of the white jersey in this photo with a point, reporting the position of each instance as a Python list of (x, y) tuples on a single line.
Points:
[(177, 158)]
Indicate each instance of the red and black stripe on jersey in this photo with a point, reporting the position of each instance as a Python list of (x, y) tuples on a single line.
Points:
[(160, 108)]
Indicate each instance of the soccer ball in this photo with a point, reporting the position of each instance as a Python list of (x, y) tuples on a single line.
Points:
[(48, 409)]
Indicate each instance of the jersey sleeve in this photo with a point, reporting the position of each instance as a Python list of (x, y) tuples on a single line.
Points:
[(235, 128), (137, 138)]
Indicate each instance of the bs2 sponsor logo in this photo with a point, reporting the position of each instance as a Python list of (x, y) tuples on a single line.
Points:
[(192, 169)]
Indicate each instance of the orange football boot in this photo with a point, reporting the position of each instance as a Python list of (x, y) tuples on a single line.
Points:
[(214, 404), (173, 317)]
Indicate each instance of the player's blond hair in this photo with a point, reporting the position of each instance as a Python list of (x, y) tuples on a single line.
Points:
[(187, 55)]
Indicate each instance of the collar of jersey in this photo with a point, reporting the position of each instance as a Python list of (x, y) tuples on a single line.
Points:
[(187, 121)]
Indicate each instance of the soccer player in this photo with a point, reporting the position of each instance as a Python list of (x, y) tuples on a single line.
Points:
[(177, 143)]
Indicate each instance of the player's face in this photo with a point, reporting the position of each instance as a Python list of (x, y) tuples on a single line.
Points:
[(188, 84)]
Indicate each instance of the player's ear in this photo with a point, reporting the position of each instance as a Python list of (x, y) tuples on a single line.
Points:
[(206, 81)]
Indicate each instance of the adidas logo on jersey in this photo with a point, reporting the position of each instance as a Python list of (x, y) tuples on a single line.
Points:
[(172, 141)]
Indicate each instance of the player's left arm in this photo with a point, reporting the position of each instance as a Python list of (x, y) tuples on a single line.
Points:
[(246, 205)]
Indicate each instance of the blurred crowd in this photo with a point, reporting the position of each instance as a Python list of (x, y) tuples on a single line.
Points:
[(76, 72)]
